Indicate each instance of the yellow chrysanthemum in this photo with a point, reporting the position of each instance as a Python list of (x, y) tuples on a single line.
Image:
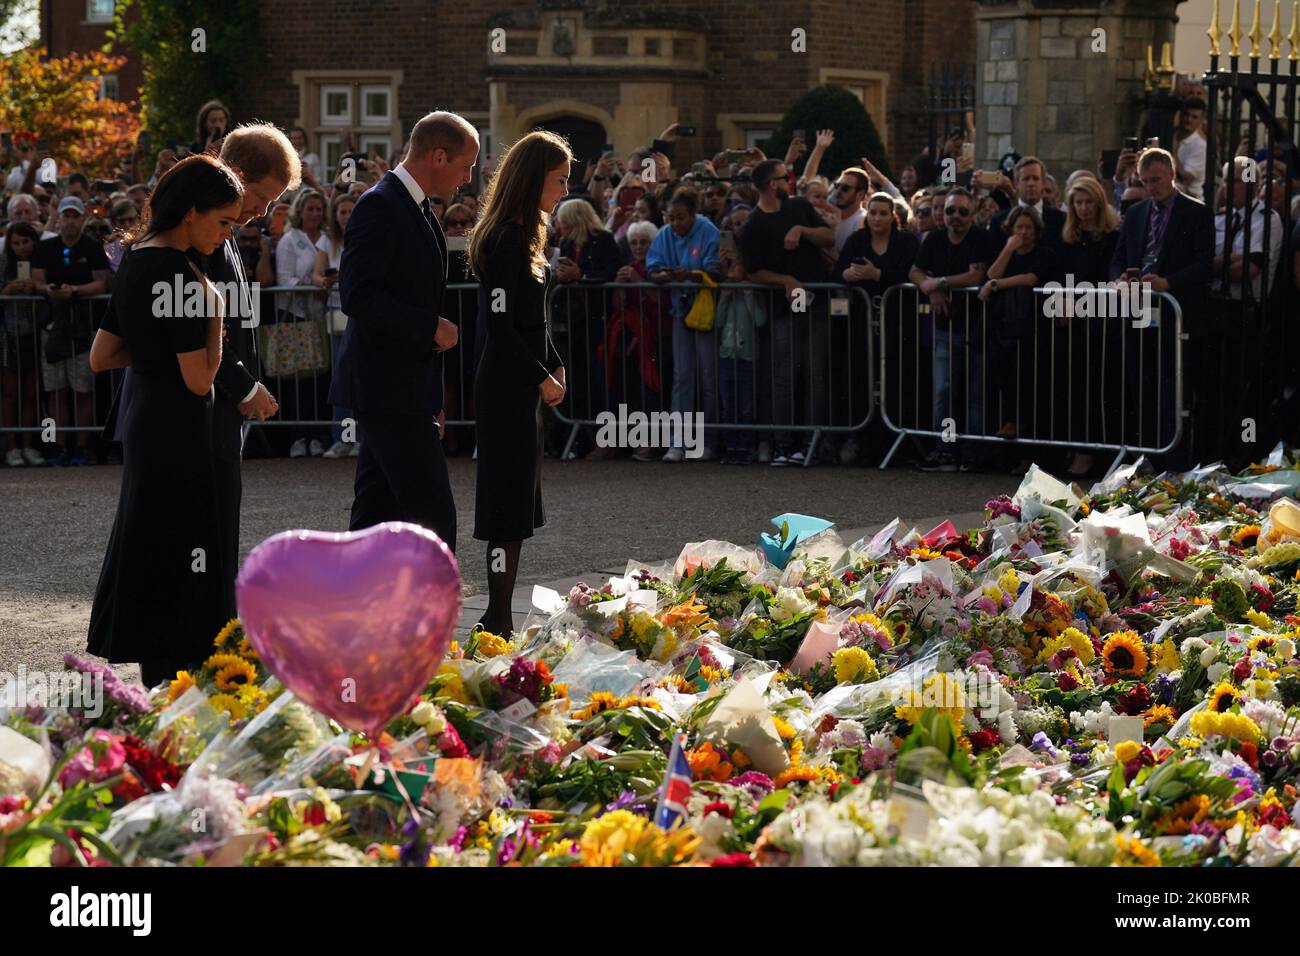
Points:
[(223, 635), (940, 692), (1167, 659), (235, 675), (1223, 697), (229, 704), (1237, 726), (1010, 582), (1126, 750), (455, 687), (1124, 653), (783, 728), (183, 682), (1259, 619), (493, 645), (853, 665), (1183, 815), (1073, 638)]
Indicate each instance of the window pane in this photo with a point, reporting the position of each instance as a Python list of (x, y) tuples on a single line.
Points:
[(99, 11), (376, 105), (336, 104)]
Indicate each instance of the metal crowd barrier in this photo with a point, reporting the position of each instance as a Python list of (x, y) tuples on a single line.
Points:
[(1034, 367), (812, 371)]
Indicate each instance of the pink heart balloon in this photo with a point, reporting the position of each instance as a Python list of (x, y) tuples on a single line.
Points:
[(354, 623)]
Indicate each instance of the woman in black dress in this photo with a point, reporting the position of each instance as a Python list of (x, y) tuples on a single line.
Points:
[(162, 589), (520, 367)]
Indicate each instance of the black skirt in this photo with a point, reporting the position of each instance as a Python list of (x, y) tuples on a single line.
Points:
[(162, 593), (508, 486)]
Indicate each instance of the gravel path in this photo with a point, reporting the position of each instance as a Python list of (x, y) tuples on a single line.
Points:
[(55, 523)]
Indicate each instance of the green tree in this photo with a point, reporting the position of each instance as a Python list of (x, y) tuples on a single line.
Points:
[(830, 107), (191, 51)]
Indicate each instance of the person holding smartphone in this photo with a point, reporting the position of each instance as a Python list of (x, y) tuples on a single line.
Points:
[(210, 127), (329, 253), (520, 368)]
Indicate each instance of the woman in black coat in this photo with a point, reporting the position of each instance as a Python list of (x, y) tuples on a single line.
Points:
[(163, 587), (520, 367)]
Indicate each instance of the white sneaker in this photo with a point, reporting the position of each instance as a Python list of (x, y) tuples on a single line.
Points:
[(316, 448), (14, 458), (354, 449), (674, 456), (764, 455), (33, 457), (706, 454), (298, 449), (337, 450)]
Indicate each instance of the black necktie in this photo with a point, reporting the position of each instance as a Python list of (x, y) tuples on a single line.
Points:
[(428, 212)]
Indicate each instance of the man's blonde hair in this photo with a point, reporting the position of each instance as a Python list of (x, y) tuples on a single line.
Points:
[(258, 150)]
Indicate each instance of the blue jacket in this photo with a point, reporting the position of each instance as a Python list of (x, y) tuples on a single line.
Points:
[(698, 249), (740, 312)]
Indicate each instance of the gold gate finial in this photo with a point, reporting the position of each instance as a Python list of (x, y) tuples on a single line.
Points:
[(1234, 30), (1294, 36), (1254, 33), (1214, 32), (1275, 34)]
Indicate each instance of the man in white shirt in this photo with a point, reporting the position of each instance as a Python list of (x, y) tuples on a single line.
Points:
[(847, 195), (1246, 216), (1191, 149)]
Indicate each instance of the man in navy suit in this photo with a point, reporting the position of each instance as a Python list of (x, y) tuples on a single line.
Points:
[(1169, 239), (1030, 175), (389, 370)]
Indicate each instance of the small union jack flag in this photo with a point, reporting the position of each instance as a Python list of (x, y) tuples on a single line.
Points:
[(676, 788)]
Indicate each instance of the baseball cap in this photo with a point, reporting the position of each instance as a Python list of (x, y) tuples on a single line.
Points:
[(72, 202)]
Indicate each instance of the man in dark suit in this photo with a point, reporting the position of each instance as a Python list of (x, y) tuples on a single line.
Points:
[(1169, 239), (391, 282), (1030, 174)]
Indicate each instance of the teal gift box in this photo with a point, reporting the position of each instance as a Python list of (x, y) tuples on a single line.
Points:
[(416, 774), (792, 529)]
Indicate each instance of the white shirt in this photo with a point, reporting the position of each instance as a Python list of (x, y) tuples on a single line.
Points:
[(333, 259), (1257, 220), (409, 182), (847, 227), (312, 162), (1191, 161), (16, 176), (295, 258)]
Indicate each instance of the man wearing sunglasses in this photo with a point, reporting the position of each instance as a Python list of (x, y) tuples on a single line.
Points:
[(850, 189), (952, 259)]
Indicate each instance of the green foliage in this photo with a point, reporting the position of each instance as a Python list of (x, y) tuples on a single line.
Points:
[(831, 107), (178, 79)]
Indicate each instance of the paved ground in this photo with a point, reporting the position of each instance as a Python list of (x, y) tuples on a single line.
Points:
[(54, 524)]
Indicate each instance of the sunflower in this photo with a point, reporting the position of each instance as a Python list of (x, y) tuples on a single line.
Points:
[(224, 634), (218, 661), (235, 675), (247, 650), (180, 685), (1223, 697), (1159, 714), (229, 704), (1124, 653), (1247, 535)]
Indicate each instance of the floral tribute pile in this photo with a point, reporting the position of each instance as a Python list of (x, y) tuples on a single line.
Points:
[(1106, 678)]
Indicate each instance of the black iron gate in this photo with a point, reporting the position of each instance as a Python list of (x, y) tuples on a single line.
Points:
[(952, 96), (1246, 365)]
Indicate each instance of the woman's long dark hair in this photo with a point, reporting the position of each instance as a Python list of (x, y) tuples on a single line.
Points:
[(197, 182), (17, 228)]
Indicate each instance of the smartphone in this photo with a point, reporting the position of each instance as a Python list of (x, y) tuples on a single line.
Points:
[(685, 130), (104, 186), (699, 169), (737, 155), (1109, 160), (989, 180), (727, 243), (627, 197), (331, 271), (24, 269), (968, 151), (606, 149), (1154, 141), (799, 135), (457, 243), (1131, 142), (1132, 274)]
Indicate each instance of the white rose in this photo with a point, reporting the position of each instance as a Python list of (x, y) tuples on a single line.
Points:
[(1216, 671), (1208, 655), (422, 713), (1286, 648)]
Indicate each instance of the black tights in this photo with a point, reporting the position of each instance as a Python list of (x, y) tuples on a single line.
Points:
[(154, 672), (503, 566)]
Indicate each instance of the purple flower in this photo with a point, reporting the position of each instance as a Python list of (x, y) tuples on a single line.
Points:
[(758, 785), (873, 758), (1042, 743), (625, 800), (457, 842)]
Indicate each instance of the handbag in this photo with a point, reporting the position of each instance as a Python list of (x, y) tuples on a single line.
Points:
[(294, 348), (702, 312)]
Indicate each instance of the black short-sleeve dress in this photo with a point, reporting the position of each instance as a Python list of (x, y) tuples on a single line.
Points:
[(161, 596), (518, 354)]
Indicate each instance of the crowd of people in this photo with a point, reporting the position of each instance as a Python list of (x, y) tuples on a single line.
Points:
[(630, 224)]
